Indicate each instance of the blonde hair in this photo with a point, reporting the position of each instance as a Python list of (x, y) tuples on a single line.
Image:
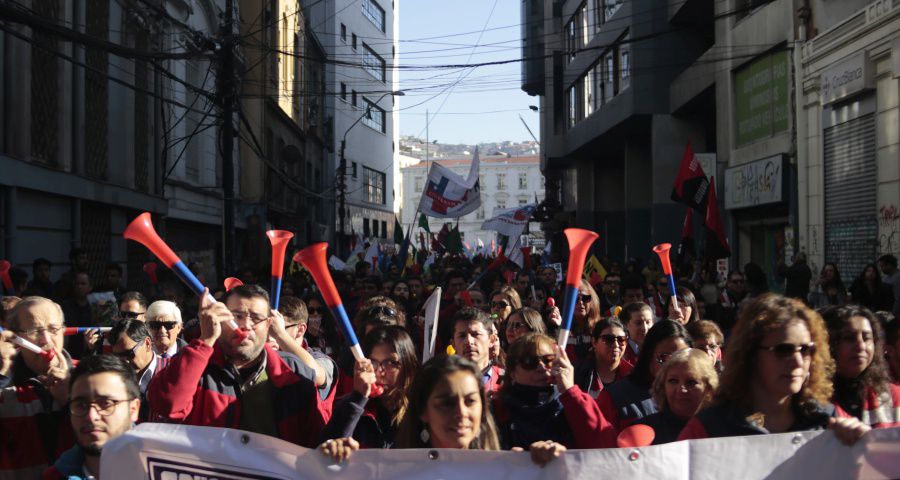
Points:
[(762, 315), (163, 307), (699, 363), (512, 296), (593, 309)]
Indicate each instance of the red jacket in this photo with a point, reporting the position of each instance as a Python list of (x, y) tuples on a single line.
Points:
[(34, 430), (879, 410), (198, 387)]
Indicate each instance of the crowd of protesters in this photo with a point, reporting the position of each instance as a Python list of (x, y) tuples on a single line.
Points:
[(730, 359)]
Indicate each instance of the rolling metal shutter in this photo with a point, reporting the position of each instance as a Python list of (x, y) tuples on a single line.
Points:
[(851, 227)]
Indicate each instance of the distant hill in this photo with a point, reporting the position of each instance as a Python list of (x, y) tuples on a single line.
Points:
[(416, 147)]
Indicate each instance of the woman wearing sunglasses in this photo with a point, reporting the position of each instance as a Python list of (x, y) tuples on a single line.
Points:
[(630, 399), (522, 321), (392, 364), (862, 383), (585, 316), (447, 409), (540, 400), (777, 376), (684, 385), (320, 327), (604, 365), (503, 302)]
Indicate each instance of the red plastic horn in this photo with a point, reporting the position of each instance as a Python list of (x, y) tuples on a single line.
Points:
[(231, 283), (4, 275), (279, 240), (636, 436), (663, 251), (150, 270), (580, 242)]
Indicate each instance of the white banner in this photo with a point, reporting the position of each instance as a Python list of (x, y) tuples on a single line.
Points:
[(432, 310), (175, 452), (448, 195)]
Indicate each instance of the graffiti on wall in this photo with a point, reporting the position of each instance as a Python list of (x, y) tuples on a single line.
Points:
[(888, 230)]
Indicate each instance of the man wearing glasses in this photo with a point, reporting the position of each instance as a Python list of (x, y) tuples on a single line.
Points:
[(130, 341), (105, 403), (33, 425), (164, 320), (225, 379)]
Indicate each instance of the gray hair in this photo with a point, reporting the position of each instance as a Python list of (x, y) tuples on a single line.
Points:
[(163, 307), (28, 302)]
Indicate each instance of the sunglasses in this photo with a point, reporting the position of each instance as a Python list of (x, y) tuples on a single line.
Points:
[(130, 315), (586, 298), (787, 350), (517, 326), (499, 305), (381, 310), (531, 362), (315, 310), (611, 339), (157, 324), (128, 355)]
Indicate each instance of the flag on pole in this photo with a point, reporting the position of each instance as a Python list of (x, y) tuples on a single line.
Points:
[(454, 241), (353, 258), (545, 256), (432, 309), (510, 221), (372, 254), (687, 235), (691, 185), (336, 263), (448, 195), (716, 242), (594, 267), (398, 231), (423, 222)]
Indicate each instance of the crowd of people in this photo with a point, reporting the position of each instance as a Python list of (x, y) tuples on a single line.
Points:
[(728, 359)]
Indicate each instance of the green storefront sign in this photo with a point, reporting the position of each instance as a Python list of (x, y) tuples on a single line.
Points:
[(762, 98)]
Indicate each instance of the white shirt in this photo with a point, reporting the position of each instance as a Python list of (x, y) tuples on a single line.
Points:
[(144, 381)]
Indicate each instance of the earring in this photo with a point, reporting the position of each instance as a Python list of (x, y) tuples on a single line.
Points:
[(424, 435)]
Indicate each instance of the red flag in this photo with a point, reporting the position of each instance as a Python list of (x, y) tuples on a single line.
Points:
[(691, 185), (526, 256), (716, 243)]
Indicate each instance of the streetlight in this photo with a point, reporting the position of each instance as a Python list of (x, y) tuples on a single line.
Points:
[(342, 183)]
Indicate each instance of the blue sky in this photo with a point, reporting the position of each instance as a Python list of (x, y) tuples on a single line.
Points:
[(485, 105)]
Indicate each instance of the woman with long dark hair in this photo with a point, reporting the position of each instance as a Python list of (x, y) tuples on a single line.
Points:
[(687, 311), (862, 383), (777, 376), (392, 364), (829, 289), (630, 399), (605, 364), (869, 291)]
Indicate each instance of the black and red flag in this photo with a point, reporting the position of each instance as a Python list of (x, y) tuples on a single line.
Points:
[(691, 185), (716, 242)]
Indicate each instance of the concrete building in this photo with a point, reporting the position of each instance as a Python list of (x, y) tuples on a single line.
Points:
[(361, 41), (283, 96), (610, 144), (505, 182), (91, 139)]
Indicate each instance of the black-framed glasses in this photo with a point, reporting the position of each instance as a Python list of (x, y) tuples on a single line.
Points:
[(40, 332), (158, 324), (611, 339), (787, 350), (254, 319), (530, 362), (314, 310), (499, 305), (584, 298), (389, 364), (105, 406), (128, 355)]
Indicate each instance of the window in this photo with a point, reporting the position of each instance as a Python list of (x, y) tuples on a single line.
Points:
[(343, 91), (523, 202), (373, 63), (373, 184), (598, 84), (625, 66), (374, 116), (353, 43), (353, 98), (419, 184), (587, 94), (383, 229), (343, 33), (374, 13), (571, 106), (479, 215), (571, 39), (501, 181), (366, 230), (501, 204), (353, 171), (610, 7), (523, 181)]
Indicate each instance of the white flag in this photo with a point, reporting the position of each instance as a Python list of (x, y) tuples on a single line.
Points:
[(354, 257), (372, 254), (448, 195), (432, 309), (510, 221), (336, 263)]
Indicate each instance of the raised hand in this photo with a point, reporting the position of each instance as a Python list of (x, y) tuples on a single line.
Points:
[(212, 314), (562, 370)]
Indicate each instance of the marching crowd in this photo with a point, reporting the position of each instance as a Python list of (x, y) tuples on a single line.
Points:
[(729, 359)]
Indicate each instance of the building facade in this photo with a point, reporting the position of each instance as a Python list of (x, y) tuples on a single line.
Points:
[(90, 139), (360, 39), (506, 182)]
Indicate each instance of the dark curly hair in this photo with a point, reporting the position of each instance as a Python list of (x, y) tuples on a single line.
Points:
[(876, 374)]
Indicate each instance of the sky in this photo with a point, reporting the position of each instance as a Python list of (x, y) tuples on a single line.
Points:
[(465, 105)]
